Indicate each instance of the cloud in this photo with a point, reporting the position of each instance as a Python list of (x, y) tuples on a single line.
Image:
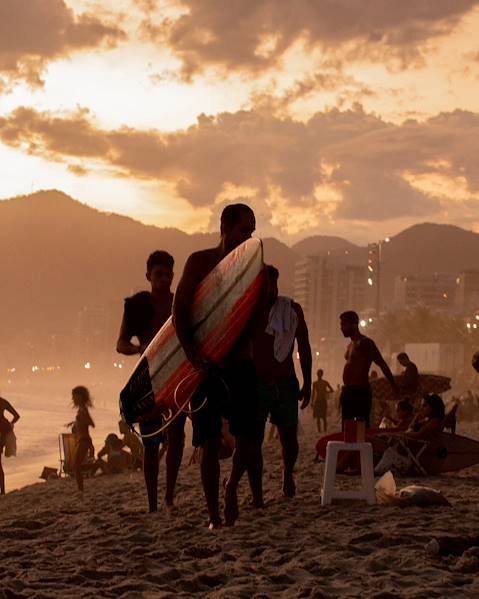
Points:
[(347, 166), (35, 32), (253, 35)]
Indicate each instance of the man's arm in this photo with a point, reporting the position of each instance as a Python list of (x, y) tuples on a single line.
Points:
[(182, 309), (124, 344), (328, 387), (379, 360), (305, 357)]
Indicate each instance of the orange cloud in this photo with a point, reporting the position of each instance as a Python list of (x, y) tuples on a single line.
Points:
[(339, 165), (35, 32), (254, 35)]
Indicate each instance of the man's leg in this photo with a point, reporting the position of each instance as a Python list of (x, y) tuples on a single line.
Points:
[(151, 464), (246, 457), (255, 468), (174, 455), (210, 477), (290, 448)]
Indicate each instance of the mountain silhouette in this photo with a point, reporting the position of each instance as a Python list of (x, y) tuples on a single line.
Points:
[(59, 255)]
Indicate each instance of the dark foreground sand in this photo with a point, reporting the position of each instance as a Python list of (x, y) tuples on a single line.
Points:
[(52, 545)]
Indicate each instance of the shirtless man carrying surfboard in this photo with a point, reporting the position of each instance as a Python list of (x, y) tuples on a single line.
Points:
[(231, 388), (356, 397)]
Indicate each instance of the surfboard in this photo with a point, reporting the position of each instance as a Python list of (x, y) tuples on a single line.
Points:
[(222, 306), (428, 383), (446, 452)]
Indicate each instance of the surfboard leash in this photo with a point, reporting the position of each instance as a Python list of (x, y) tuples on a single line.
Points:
[(181, 408)]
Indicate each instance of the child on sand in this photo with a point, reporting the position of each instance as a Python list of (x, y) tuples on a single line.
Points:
[(82, 401)]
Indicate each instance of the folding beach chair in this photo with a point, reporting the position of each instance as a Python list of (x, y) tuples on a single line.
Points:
[(67, 444), (67, 447), (413, 449)]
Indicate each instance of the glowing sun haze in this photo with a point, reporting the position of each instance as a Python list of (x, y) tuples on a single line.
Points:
[(354, 118)]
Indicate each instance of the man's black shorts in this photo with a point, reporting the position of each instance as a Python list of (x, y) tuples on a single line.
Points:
[(356, 402), (230, 393)]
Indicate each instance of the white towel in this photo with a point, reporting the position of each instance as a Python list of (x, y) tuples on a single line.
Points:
[(282, 323)]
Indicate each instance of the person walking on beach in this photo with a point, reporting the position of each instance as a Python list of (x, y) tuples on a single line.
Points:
[(279, 391), (356, 397), (319, 401), (236, 374), (144, 315), (409, 382), (83, 421), (6, 427)]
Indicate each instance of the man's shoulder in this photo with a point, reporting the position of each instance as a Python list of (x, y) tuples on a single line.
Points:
[(367, 342), (138, 297), (138, 301), (297, 308), (201, 255), (200, 263)]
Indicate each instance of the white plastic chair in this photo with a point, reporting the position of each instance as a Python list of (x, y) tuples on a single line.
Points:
[(366, 491)]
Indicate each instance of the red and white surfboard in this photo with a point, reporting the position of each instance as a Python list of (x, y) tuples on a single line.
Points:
[(222, 305)]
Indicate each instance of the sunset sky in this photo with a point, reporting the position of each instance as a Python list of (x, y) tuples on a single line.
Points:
[(354, 118)]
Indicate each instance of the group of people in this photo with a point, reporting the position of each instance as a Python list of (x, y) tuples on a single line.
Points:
[(256, 381), (112, 458)]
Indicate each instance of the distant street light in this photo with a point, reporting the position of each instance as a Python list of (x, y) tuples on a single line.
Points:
[(374, 267)]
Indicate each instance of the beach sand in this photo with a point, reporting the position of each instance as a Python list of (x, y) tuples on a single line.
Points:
[(54, 545)]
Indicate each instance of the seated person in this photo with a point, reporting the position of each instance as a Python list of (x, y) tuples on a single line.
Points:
[(117, 459), (404, 417), (134, 444), (429, 420)]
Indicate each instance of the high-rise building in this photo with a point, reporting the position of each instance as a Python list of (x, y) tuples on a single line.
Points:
[(467, 290), (325, 286), (437, 290)]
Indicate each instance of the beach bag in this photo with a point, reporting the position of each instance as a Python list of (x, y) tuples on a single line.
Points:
[(10, 444)]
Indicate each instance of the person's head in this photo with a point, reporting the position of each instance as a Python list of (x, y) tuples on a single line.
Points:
[(433, 406), (319, 373), (81, 397), (349, 322), (404, 409), (403, 359), (113, 442), (159, 270), (373, 375), (236, 225), (272, 282)]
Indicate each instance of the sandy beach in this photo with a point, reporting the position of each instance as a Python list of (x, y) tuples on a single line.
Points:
[(55, 545)]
